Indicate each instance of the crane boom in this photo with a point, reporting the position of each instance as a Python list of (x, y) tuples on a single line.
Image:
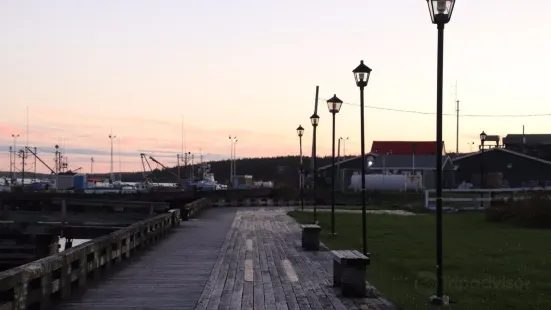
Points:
[(39, 159), (165, 167)]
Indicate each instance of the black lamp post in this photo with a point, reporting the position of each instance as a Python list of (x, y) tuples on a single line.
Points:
[(482, 139), (314, 119), (361, 73), (334, 104), (300, 132), (440, 13)]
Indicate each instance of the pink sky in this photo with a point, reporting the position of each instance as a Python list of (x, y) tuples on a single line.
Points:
[(250, 69)]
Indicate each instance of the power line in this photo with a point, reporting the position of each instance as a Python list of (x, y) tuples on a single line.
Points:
[(446, 114)]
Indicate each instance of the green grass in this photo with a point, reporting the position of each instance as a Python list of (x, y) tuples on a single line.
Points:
[(486, 265)]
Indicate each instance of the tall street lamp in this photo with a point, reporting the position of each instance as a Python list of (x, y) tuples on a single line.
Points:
[(482, 139), (362, 73), (231, 158), (334, 104), (234, 156), (300, 132), (233, 141), (440, 13), (314, 119)]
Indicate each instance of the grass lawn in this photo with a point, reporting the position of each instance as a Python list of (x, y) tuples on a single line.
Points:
[(486, 265)]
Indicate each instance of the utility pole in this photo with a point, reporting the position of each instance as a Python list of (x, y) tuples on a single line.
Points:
[(120, 160), (233, 141), (11, 163), (178, 163), (234, 157), (35, 152), (22, 154), (192, 168), (14, 177), (57, 165), (111, 174), (344, 147), (91, 165), (339, 160)]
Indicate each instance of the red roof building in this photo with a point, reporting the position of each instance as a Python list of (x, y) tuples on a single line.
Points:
[(406, 147)]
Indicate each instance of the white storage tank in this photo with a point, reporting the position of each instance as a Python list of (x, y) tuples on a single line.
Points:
[(387, 182)]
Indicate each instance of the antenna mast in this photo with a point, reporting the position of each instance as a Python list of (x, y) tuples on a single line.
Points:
[(457, 121)]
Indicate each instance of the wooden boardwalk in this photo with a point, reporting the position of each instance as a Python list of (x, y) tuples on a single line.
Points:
[(170, 275), (247, 258)]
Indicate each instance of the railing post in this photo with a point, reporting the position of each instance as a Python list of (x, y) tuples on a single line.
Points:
[(108, 256), (46, 287), (65, 278), (20, 294), (96, 264), (82, 270)]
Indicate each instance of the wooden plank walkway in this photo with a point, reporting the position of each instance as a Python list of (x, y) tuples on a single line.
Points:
[(262, 266), (170, 275), (247, 258)]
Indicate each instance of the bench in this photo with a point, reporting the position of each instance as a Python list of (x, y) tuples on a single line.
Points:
[(349, 269), (311, 237)]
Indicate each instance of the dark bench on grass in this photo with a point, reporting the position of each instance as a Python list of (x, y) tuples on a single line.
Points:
[(349, 269), (311, 237)]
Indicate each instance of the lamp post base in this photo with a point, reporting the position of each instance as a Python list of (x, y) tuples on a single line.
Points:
[(333, 234), (439, 301)]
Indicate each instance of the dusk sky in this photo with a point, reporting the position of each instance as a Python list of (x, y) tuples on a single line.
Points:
[(249, 68)]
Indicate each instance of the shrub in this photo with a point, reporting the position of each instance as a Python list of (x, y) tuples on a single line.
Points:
[(534, 211)]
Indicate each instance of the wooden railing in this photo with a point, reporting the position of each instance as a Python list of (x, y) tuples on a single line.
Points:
[(46, 281), (193, 209), (115, 205)]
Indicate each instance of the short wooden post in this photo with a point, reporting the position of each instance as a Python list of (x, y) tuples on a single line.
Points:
[(311, 237)]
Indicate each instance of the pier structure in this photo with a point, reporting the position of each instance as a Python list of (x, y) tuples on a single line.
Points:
[(161, 255)]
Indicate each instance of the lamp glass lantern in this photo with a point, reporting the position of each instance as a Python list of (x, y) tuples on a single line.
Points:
[(314, 119), (440, 10), (334, 104), (370, 159), (361, 74), (300, 131)]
